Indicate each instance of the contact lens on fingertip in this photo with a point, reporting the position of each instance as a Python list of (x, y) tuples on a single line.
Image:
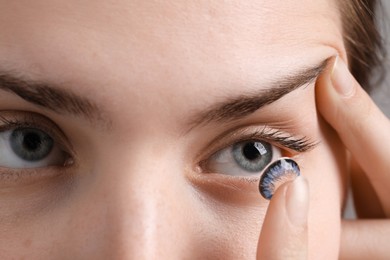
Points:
[(277, 173)]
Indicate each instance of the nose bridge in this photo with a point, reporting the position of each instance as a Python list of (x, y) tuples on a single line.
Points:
[(146, 210)]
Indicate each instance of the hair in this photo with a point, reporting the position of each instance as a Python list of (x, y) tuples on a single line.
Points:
[(364, 44)]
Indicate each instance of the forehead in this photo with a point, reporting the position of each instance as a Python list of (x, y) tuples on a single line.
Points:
[(164, 46), (157, 29)]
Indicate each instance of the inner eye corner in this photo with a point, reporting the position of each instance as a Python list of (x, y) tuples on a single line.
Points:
[(201, 166), (69, 161)]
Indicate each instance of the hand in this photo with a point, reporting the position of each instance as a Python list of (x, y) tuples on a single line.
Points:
[(365, 131), (286, 223)]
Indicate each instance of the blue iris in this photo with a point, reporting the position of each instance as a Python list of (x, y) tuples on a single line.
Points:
[(31, 144), (252, 156)]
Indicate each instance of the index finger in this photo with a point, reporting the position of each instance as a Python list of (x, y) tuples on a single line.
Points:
[(363, 128)]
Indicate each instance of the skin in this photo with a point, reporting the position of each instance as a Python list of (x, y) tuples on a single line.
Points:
[(135, 190)]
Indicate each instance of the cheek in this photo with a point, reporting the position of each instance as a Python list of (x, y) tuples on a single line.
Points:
[(325, 168), (230, 221)]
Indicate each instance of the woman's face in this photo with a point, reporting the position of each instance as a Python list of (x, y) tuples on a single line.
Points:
[(123, 125)]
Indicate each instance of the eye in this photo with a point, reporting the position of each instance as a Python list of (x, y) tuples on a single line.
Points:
[(29, 148), (245, 158)]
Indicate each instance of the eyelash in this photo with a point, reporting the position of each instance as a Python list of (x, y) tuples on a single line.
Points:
[(14, 122), (297, 144)]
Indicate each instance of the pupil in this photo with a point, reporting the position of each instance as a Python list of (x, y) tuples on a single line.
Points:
[(251, 152), (32, 141), (31, 144), (252, 156)]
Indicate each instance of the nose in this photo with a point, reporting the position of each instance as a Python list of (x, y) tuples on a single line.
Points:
[(146, 212)]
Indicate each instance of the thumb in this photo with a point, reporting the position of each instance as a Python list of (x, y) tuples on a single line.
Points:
[(284, 232)]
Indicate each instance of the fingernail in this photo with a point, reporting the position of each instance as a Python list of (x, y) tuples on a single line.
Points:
[(342, 79), (297, 201)]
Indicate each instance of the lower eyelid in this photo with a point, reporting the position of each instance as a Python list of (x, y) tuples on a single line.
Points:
[(220, 185), (19, 177)]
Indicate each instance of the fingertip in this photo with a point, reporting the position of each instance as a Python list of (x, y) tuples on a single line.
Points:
[(337, 86), (325, 93), (297, 201), (338, 95), (341, 78)]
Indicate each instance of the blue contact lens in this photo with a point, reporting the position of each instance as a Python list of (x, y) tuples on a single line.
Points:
[(277, 173)]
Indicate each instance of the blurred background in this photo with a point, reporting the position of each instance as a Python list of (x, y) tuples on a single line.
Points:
[(381, 95)]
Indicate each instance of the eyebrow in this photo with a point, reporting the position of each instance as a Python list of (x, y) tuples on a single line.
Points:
[(243, 105), (49, 96), (63, 101)]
